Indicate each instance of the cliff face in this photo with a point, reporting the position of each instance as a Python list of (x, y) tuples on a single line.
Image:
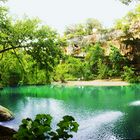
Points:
[(125, 46), (128, 44)]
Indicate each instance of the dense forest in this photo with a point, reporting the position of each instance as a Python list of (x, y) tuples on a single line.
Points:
[(33, 53)]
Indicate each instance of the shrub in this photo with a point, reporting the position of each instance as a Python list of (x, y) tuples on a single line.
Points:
[(87, 74), (61, 72), (14, 78), (40, 128), (94, 53), (75, 67), (71, 69), (116, 60), (129, 75), (102, 70)]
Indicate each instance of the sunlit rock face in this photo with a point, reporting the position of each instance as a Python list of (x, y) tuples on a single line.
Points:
[(5, 114)]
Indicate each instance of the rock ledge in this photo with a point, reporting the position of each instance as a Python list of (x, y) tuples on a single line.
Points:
[(5, 114)]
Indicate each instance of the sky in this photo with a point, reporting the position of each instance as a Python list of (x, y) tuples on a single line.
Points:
[(61, 13)]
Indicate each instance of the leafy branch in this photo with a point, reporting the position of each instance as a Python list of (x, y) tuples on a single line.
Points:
[(40, 128)]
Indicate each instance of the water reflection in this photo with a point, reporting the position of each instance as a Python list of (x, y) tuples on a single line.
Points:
[(99, 126), (103, 112)]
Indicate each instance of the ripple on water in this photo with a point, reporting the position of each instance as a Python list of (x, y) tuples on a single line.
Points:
[(99, 127)]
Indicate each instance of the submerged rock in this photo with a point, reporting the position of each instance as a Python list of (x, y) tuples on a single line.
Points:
[(5, 114)]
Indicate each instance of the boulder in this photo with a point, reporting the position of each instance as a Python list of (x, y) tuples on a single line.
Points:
[(6, 133), (5, 114)]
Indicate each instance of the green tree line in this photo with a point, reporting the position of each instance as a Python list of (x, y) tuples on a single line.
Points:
[(32, 53)]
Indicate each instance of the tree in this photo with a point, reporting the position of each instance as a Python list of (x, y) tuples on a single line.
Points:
[(11, 72), (92, 24), (75, 30), (46, 51), (86, 28), (42, 43), (117, 61), (94, 54), (70, 69), (130, 36)]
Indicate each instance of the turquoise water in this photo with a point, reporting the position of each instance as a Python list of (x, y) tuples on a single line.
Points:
[(103, 113)]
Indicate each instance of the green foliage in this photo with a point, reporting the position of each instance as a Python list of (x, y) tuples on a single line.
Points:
[(40, 128), (75, 67), (66, 126), (28, 37), (117, 61), (11, 72), (102, 70), (87, 73), (129, 75), (129, 24), (115, 55), (5, 25), (93, 55), (70, 69), (74, 31), (61, 73), (92, 24), (35, 76), (26, 71), (31, 53), (78, 30)]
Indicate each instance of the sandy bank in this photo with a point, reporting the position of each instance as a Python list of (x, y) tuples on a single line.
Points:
[(112, 82)]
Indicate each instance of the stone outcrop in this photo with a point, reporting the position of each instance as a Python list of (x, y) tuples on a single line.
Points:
[(6, 133), (5, 114)]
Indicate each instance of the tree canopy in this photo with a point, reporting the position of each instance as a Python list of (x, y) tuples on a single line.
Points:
[(28, 36), (33, 53), (82, 29)]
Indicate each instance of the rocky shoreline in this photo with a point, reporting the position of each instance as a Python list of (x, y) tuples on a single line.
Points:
[(6, 133), (5, 114)]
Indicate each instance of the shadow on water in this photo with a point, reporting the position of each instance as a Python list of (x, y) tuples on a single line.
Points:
[(102, 112)]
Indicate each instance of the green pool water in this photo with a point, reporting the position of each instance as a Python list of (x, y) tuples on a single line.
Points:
[(103, 113)]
